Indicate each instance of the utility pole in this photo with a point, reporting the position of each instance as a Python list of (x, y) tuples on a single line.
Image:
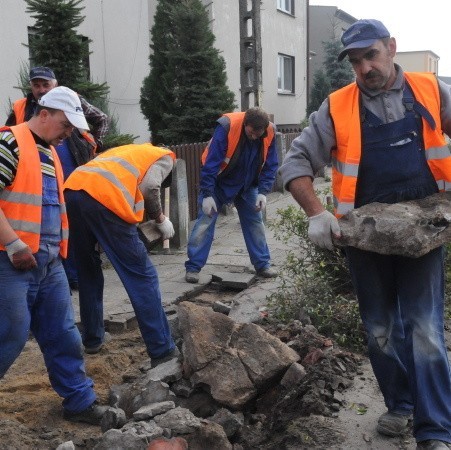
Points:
[(250, 53)]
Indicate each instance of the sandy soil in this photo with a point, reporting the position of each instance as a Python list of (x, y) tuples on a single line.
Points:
[(31, 414)]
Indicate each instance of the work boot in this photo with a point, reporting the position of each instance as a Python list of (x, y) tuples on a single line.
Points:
[(267, 272), (393, 424), (433, 444), (174, 353), (97, 348), (192, 277), (92, 415)]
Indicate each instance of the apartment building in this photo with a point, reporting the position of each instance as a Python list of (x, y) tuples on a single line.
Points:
[(120, 35)]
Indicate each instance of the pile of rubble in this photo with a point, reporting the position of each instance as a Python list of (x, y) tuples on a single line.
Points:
[(235, 386)]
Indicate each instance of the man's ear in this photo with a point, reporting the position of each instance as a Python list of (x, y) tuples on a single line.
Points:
[(44, 115), (392, 47)]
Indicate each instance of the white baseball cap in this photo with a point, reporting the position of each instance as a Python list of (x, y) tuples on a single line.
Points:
[(66, 100)]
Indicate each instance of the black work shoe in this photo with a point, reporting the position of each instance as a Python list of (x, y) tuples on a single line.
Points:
[(174, 353), (268, 272), (393, 424), (97, 348), (92, 415)]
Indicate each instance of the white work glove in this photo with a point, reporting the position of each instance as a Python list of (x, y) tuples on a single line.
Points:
[(321, 227), (209, 206), (260, 204), (165, 228), (20, 255)]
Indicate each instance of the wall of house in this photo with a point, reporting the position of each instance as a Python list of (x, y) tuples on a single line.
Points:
[(286, 34), (120, 34), (280, 33), (418, 61), (14, 36), (120, 47)]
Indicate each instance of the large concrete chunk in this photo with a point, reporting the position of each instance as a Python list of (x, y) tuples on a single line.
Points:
[(230, 361), (206, 334), (411, 228), (264, 356)]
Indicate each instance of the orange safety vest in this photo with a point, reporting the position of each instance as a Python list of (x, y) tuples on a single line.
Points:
[(113, 178), (235, 121), (19, 110), (345, 111), (19, 114), (21, 202)]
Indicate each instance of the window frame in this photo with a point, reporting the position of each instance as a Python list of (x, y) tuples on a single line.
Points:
[(281, 88), (281, 6)]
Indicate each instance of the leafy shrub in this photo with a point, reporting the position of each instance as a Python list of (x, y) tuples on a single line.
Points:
[(315, 282)]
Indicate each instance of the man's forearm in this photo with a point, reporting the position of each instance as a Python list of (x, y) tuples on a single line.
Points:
[(303, 192), (7, 234)]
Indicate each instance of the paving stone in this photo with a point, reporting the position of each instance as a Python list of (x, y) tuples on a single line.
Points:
[(237, 281)]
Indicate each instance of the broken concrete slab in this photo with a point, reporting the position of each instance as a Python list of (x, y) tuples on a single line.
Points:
[(411, 228), (238, 281), (232, 361)]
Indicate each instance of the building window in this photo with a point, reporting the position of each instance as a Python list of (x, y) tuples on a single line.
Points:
[(286, 6), (285, 74)]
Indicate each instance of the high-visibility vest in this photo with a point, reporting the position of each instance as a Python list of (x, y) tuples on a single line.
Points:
[(19, 107), (113, 178), (21, 202), (345, 111), (19, 110), (233, 122)]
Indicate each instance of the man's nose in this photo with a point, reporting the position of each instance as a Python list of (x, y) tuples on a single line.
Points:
[(366, 66)]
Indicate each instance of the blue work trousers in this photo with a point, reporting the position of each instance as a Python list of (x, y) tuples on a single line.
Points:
[(92, 223), (39, 300), (401, 303), (251, 222)]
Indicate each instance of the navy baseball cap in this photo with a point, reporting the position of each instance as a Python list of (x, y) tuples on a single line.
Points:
[(361, 34), (43, 73)]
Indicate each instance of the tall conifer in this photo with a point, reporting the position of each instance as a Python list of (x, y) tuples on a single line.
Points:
[(186, 89)]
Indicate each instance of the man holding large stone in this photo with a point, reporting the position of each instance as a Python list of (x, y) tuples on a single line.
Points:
[(383, 135)]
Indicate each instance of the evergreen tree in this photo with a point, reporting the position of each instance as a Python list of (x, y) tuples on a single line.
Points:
[(339, 73), (56, 44), (186, 89), (320, 90)]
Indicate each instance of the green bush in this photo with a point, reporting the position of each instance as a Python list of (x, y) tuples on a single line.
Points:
[(315, 282)]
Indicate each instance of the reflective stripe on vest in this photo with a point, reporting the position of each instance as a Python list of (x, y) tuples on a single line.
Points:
[(234, 123), (19, 110), (345, 113), (21, 202), (113, 178)]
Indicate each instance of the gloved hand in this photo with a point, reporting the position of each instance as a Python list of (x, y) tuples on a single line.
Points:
[(260, 204), (20, 255), (165, 228), (209, 206), (321, 227)]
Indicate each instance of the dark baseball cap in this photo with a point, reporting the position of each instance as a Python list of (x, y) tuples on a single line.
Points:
[(361, 34), (43, 73)]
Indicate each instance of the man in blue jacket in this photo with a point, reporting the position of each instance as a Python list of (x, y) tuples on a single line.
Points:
[(239, 167)]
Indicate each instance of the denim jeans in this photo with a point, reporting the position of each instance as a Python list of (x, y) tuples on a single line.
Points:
[(92, 223), (39, 300), (251, 222), (401, 303)]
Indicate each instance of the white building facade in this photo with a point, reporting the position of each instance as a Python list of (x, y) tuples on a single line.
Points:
[(120, 34)]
